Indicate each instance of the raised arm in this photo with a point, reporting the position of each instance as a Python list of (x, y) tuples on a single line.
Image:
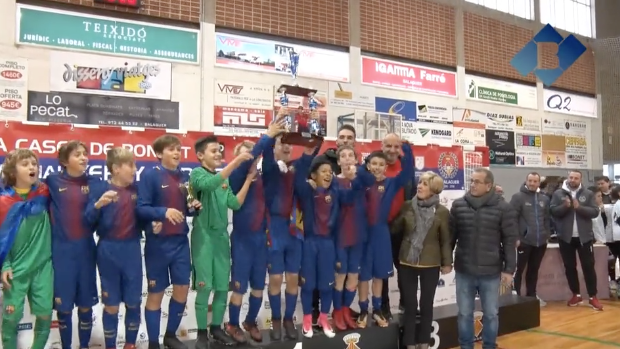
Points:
[(238, 175), (146, 197), (302, 170), (406, 173)]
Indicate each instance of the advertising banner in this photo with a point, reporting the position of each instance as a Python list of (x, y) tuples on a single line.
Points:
[(528, 149), (407, 109), (501, 147), (237, 94), (559, 126), (244, 52), (58, 29), (501, 122), (434, 113), (427, 133), (350, 96), (111, 76), (243, 122), (409, 77), (570, 103), (13, 88), (501, 92), (576, 151), (469, 126), (77, 108), (528, 124), (554, 150), (445, 161)]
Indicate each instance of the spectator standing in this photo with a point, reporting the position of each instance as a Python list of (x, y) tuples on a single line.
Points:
[(613, 236), (426, 251), (573, 208), (391, 147), (483, 225), (605, 187), (532, 209)]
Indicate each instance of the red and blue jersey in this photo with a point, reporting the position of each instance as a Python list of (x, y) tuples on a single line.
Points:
[(68, 200), (118, 220), (252, 216), (353, 217), (158, 190), (380, 194)]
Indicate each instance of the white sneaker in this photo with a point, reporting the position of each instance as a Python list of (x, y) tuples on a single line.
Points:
[(542, 303)]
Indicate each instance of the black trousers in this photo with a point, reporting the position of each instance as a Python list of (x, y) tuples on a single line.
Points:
[(396, 241), (569, 250), (429, 277), (528, 261), (614, 250)]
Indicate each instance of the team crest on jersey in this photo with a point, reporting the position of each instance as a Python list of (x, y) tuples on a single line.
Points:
[(582, 199), (381, 189), (85, 189), (542, 204), (419, 163), (448, 165), (328, 199)]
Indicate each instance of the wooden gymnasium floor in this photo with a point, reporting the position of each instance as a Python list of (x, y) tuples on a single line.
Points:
[(562, 327)]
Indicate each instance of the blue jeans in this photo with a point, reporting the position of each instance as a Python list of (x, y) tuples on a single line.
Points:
[(473, 325)]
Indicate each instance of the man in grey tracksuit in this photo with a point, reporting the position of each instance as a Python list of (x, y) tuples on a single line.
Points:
[(573, 208), (534, 230)]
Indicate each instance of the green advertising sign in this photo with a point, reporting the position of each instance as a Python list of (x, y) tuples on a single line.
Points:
[(75, 31), (490, 94)]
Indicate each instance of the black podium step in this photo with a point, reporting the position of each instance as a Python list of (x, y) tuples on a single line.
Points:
[(371, 337), (515, 314)]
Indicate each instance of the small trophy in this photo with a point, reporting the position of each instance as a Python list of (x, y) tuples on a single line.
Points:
[(187, 191)]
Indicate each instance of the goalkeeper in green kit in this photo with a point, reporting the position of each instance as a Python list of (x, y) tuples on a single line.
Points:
[(25, 248), (209, 238)]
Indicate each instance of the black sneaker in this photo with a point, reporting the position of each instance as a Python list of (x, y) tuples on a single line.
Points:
[(220, 336), (276, 329), (202, 340), (290, 330), (172, 342), (315, 317), (155, 345)]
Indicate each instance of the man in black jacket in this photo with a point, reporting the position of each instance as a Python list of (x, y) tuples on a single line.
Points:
[(485, 233)]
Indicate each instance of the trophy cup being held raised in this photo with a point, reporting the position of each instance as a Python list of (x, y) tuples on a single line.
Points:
[(294, 134)]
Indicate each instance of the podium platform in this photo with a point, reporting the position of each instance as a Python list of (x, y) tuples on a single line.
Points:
[(515, 314)]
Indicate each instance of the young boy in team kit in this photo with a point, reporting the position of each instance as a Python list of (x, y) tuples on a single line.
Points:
[(73, 244), (112, 212), (210, 239), (25, 248), (162, 199)]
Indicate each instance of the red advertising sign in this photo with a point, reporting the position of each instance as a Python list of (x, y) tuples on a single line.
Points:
[(247, 122), (415, 78)]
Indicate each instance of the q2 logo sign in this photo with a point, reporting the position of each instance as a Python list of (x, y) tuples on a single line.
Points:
[(558, 102)]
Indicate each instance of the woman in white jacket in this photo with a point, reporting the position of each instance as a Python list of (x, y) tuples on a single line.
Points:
[(600, 223), (613, 235)]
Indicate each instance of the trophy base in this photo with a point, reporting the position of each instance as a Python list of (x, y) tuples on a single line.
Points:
[(305, 139), (297, 90)]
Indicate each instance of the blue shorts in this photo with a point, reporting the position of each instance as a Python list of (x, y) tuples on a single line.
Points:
[(377, 262), (287, 257), (249, 261), (75, 274), (317, 266), (168, 261), (120, 272), (349, 259)]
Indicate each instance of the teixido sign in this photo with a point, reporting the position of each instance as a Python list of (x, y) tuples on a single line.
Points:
[(569, 50)]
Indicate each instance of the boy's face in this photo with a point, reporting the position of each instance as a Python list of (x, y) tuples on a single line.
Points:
[(376, 166), (171, 157), (26, 172), (323, 176), (346, 158), (282, 151), (78, 160), (212, 157), (599, 198), (126, 172)]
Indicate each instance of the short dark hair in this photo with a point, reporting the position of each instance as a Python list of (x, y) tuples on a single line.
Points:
[(375, 154), (488, 175), (202, 143), (576, 171), (594, 189), (65, 150), (533, 174), (602, 178), (318, 162), (163, 142), (615, 193), (343, 148), (348, 128)]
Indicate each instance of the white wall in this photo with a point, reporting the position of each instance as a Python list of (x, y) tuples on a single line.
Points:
[(186, 79)]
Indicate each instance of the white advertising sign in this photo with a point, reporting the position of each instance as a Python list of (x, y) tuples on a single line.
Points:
[(427, 133), (239, 94), (567, 127), (576, 151), (500, 122), (349, 96), (434, 113), (468, 127), (569, 103), (13, 88), (113, 76), (500, 92), (249, 53), (527, 123)]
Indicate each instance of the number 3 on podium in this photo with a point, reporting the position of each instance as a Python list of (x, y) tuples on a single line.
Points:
[(434, 336)]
